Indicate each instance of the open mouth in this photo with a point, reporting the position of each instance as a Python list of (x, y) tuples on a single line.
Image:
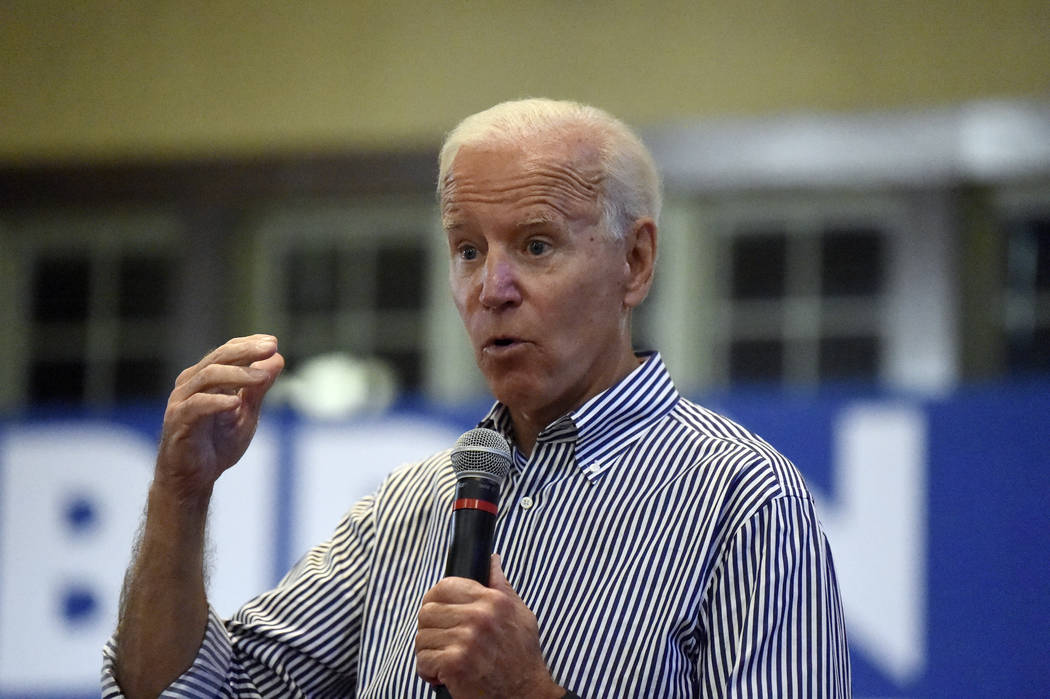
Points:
[(499, 344)]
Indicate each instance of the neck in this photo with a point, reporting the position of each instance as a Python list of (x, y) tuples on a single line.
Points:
[(528, 425), (525, 432)]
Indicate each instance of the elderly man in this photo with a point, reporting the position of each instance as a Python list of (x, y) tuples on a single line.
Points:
[(646, 546)]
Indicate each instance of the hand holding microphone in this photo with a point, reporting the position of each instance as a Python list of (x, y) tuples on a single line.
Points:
[(475, 636)]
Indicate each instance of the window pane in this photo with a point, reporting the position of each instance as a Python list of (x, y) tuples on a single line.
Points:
[(849, 358), (756, 360), (400, 272), (759, 265), (312, 280), (145, 287), (1029, 259), (61, 288), (1028, 281), (57, 382), (1029, 352), (138, 379), (852, 262), (1041, 232), (408, 366)]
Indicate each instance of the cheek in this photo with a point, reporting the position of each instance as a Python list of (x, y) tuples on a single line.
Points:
[(596, 314), (460, 287), (600, 296), (578, 312)]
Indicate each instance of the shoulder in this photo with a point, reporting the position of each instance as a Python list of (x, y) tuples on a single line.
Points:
[(750, 461), (408, 494), (410, 477), (413, 487)]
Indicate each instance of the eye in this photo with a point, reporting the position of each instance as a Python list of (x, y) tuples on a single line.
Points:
[(468, 252), (537, 247)]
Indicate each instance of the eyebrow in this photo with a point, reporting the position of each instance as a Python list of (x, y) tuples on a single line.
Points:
[(449, 223), (452, 222), (536, 221)]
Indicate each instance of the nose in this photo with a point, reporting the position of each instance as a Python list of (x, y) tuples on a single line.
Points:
[(499, 287)]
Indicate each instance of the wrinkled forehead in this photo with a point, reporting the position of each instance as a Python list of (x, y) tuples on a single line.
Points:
[(562, 171)]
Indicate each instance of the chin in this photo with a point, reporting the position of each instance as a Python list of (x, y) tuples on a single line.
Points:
[(517, 394)]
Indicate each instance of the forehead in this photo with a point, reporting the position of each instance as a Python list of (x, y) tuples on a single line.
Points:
[(544, 178)]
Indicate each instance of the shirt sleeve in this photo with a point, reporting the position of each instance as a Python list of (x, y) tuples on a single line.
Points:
[(773, 617), (299, 639)]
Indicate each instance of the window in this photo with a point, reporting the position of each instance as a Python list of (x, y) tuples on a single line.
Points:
[(1027, 283), (349, 279), (98, 303), (803, 294)]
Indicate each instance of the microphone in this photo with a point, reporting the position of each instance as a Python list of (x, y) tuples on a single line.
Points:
[(481, 460)]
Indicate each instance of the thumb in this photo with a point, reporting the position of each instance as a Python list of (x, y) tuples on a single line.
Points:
[(497, 580), (253, 395)]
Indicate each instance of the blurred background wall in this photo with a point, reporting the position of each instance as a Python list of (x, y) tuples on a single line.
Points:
[(110, 80), (172, 171), (858, 213)]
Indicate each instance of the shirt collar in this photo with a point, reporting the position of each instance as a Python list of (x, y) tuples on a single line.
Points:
[(607, 423)]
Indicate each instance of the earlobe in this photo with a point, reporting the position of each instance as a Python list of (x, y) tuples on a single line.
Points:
[(641, 248)]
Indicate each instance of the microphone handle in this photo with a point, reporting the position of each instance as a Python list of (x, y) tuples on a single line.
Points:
[(473, 528)]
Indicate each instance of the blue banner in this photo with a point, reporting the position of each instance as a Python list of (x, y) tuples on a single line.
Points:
[(938, 512)]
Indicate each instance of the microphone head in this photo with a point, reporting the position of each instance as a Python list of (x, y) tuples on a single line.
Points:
[(483, 453)]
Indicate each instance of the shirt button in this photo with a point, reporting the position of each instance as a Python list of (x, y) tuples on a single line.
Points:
[(526, 503)]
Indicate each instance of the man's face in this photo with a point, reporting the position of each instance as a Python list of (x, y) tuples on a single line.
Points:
[(540, 286)]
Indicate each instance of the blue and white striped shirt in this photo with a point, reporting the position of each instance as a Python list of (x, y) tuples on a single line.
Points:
[(665, 550)]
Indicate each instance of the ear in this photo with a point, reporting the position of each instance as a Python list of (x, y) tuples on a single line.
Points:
[(640, 250)]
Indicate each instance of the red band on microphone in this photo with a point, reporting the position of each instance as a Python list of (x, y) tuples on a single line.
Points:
[(475, 504)]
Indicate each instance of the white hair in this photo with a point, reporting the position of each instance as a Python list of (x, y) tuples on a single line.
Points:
[(630, 184)]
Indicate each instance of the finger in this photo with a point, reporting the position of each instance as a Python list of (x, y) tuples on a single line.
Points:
[(473, 612), (428, 639), (427, 666), (454, 590), (240, 351), (438, 662), (236, 348), (273, 364), (253, 394), (440, 616), (199, 406), (220, 378), (497, 579)]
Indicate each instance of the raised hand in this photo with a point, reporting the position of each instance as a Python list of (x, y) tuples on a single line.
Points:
[(209, 422), (212, 414)]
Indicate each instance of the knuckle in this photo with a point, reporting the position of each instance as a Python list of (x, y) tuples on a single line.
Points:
[(176, 411), (425, 616), (210, 372), (502, 604), (484, 622), (209, 376), (472, 636), (477, 622), (457, 659)]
